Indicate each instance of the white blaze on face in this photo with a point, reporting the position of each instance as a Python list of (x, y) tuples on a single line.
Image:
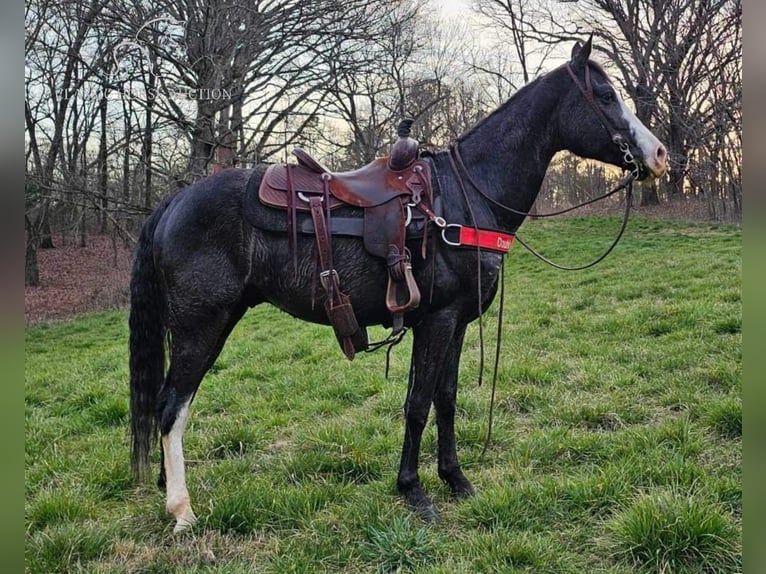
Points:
[(653, 152)]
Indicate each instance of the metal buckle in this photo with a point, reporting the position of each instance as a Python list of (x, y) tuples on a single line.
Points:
[(324, 277), (447, 226), (409, 214), (302, 196)]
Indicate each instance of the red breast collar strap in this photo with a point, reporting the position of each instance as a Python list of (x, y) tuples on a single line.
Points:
[(462, 236)]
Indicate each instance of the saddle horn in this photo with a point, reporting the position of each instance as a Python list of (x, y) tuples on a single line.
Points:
[(405, 150)]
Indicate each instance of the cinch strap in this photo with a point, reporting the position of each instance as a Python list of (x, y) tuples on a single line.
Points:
[(462, 236)]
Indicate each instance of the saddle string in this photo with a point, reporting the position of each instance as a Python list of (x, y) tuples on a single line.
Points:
[(415, 202), (388, 352), (391, 340)]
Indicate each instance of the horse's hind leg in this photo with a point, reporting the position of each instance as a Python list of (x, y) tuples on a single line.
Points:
[(193, 352)]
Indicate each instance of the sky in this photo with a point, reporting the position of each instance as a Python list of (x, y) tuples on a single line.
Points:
[(452, 7)]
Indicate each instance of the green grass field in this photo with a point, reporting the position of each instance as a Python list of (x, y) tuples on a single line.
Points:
[(617, 443)]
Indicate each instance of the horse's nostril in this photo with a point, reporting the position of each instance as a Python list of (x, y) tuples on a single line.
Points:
[(661, 153)]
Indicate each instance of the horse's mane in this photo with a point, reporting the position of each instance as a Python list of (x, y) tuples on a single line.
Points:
[(522, 93)]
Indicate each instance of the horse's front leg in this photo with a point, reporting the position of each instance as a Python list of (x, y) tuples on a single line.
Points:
[(444, 402), (431, 343)]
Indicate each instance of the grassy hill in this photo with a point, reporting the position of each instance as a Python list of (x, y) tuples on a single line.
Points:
[(616, 445)]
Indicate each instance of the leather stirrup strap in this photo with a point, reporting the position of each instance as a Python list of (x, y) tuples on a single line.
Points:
[(338, 305), (327, 275)]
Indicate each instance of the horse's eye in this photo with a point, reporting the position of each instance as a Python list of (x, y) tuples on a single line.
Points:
[(607, 96)]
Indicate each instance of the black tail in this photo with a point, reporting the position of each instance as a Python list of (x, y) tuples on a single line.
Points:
[(147, 346)]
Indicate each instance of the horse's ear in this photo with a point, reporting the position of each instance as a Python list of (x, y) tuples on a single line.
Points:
[(581, 52)]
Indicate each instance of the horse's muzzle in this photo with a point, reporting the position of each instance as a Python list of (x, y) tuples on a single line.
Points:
[(656, 165)]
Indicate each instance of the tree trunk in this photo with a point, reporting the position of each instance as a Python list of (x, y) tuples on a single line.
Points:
[(82, 228), (46, 235), (676, 180), (203, 137), (148, 143), (226, 150), (31, 269), (649, 195), (31, 272), (676, 150), (127, 107), (102, 165)]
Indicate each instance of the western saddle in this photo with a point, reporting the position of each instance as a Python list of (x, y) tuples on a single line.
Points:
[(387, 189)]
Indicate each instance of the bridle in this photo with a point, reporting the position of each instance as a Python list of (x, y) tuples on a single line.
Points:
[(587, 91), (458, 166)]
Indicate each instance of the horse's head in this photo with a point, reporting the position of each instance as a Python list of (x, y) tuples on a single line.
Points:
[(596, 123)]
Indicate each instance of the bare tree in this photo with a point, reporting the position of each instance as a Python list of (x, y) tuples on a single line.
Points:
[(246, 68), (127, 99), (671, 58), (517, 24), (57, 128), (369, 81)]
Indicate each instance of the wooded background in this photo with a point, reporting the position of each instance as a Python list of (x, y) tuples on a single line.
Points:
[(126, 101)]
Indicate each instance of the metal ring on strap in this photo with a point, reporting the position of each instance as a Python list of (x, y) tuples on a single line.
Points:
[(444, 233)]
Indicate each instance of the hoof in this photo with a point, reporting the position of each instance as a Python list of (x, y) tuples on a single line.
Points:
[(460, 486), (429, 514), (465, 490), (184, 523), (420, 503)]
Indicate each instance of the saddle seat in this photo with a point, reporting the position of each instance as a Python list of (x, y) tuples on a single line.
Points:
[(369, 186)]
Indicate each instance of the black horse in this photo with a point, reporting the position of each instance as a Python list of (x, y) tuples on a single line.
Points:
[(199, 266)]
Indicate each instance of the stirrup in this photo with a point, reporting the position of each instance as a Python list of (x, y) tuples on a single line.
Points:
[(395, 287)]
